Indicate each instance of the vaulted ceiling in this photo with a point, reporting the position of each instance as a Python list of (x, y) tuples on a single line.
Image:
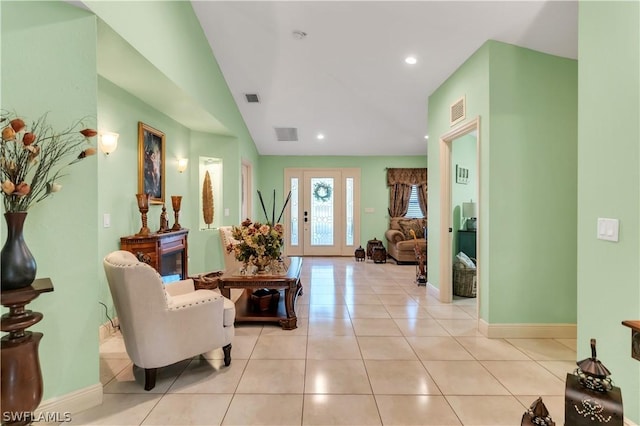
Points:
[(338, 68)]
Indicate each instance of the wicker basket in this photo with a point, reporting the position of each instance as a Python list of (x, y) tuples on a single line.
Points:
[(464, 280)]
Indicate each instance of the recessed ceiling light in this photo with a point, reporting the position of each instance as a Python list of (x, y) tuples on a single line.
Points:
[(426, 136), (320, 136), (411, 60)]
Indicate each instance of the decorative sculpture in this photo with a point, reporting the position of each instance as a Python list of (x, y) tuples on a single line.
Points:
[(421, 272), (537, 415), (164, 222), (590, 397), (207, 200)]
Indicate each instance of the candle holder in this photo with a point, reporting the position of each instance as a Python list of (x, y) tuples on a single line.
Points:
[(143, 206), (175, 203)]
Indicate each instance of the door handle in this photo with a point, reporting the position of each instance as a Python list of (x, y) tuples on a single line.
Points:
[(450, 229)]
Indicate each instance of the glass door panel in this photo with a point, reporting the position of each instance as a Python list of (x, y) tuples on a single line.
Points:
[(322, 218), (322, 202)]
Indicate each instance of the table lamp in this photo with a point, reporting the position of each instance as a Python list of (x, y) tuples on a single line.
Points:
[(469, 211)]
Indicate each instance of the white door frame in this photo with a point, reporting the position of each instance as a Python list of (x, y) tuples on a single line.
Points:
[(446, 261), (345, 173)]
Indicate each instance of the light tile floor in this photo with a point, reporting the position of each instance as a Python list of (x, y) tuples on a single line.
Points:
[(371, 348)]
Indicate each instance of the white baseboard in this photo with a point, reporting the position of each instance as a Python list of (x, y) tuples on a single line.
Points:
[(73, 402), (628, 422), (433, 290), (528, 331)]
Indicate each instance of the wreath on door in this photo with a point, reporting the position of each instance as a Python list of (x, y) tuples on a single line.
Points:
[(322, 192)]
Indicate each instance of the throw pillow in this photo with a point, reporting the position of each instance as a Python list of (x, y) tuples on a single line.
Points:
[(466, 260), (407, 225)]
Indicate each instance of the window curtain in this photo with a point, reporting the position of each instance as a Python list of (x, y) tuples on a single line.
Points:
[(399, 200), (400, 182), (422, 198)]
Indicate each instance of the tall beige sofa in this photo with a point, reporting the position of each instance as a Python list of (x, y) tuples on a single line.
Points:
[(400, 243)]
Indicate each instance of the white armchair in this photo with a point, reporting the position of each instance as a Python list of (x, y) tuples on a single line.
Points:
[(230, 262), (226, 238), (160, 324)]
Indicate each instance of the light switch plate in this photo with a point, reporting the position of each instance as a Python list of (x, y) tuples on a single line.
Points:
[(608, 229), (369, 210), (226, 212), (106, 220)]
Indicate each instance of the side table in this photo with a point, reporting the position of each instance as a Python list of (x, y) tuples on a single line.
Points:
[(21, 377)]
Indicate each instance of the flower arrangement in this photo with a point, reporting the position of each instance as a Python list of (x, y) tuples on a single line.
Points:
[(32, 159), (258, 244)]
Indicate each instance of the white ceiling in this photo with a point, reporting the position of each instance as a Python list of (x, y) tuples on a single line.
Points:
[(347, 78)]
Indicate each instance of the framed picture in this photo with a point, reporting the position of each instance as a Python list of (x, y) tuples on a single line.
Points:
[(462, 175), (151, 163)]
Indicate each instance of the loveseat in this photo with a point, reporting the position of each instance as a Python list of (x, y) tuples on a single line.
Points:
[(400, 242)]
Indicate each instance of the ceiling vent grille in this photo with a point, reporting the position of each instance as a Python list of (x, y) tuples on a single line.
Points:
[(286, 134), (458, 111), (252, 98)]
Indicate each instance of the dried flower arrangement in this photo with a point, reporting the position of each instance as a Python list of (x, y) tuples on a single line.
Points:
[(32, 159), (259, 243)]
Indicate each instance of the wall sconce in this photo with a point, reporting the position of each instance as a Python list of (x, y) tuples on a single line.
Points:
[(182, 164), (108, 142)]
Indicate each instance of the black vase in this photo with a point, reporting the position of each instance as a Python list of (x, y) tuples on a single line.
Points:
[(17, 263)]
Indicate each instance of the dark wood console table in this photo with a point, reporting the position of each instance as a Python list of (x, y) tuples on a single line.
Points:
[(166, 252), (635, 337), (285, 313), (21, 377)]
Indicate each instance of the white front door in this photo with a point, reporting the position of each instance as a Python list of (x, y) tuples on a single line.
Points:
[(322, 219)]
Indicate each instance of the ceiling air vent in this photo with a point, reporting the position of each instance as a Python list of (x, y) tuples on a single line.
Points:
[(458, 111), (286, 134), (252, 98)]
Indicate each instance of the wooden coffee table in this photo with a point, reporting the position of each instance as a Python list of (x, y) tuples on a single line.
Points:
[(285, 314)]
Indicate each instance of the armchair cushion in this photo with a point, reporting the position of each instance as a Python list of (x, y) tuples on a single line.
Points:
[(394, 236), (408, 225)]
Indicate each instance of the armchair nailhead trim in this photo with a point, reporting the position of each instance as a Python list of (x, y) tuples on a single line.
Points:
[(199, 302)]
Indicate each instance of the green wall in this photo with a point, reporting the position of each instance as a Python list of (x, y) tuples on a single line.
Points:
[(609, 186), (373, 183), (39, 77), (205, 251), (472, 81), (69, 87), (159, 31), (120, 112), (533, 180), (527, 102)]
